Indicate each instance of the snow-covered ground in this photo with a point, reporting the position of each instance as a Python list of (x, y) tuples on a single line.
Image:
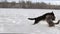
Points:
[(16, 21)]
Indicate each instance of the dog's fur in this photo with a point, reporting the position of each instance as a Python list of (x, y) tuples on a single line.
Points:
[(50, 21), (49, 17)]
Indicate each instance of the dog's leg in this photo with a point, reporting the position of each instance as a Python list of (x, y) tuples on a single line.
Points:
[(57, 22), (50, 23), (36, 21)]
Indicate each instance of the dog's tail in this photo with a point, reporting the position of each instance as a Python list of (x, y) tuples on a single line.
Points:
[(31, 18)]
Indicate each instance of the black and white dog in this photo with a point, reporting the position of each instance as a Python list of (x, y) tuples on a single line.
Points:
[(49, 17)]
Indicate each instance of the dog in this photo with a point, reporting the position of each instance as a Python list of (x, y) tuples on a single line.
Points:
[(49, 17)]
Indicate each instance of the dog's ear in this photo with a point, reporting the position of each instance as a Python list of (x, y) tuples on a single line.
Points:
[(52, 11)]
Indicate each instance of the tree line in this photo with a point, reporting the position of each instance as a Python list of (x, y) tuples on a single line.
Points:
[(29, 5)]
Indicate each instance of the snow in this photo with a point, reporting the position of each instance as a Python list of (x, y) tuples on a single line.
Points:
[(16, 21)]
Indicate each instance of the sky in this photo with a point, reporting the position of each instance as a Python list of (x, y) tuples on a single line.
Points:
[(55, 2)]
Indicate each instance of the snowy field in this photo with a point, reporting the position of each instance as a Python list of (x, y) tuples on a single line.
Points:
[(16, 21)]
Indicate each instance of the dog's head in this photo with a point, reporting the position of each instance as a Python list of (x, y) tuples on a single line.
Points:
[(52, 14)]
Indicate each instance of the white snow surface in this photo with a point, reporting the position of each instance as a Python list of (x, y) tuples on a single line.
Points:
[(16, 21)]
